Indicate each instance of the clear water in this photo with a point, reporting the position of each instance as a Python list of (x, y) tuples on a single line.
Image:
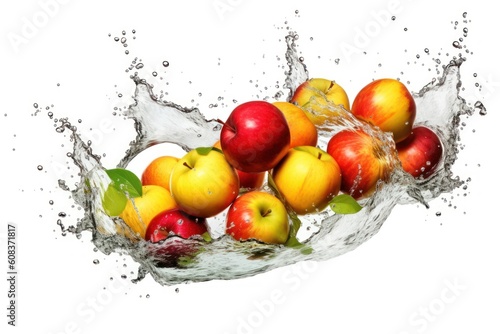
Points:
[(324, 235)]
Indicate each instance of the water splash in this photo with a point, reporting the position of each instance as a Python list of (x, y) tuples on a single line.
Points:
[(324, 235)]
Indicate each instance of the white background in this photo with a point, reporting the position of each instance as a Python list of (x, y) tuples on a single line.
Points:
[(422, 273)]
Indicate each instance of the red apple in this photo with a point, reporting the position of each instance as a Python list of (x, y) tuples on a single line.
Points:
[(260, 216), (167, 224), (388, 104), (362, 161), (255, 137), (247, 180), (251, 180), (421, 152), (175, 222)]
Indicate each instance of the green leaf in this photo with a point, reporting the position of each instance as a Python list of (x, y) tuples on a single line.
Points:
[(206, 236), (125, 181), (344, 204), (113, 201), (204, 150)]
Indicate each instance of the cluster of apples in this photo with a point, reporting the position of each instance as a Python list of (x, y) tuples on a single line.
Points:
[(279, 141)]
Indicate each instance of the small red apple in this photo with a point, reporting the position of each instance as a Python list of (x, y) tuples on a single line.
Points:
[(255, 136), (251, 180), (362, 161), (247, 180), (421, 152), (175, 222), (167, 231)]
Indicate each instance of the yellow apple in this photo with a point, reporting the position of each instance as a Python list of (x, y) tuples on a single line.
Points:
[(203, 183), (308, 178), (322, 91), (139, 211), (158, 171), (302, 130)]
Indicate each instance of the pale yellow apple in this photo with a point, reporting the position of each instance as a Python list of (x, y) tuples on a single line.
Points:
[(308, 178), (204, 184), (139, 211), (314, 95), (158, 171), (302, 130)]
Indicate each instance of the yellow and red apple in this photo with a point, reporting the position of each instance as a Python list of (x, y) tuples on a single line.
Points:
[(421, 152), (315, 94), (139, 211), (387, 104), (258, 215), (308, 178), (302, 130), (203, 183), (158, 171), (317, 87), (362, 159)]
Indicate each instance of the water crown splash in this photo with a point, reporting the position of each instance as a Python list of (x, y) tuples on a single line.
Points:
[(324, 235)]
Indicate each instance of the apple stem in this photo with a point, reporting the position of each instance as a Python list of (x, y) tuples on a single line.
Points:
[(268, 212), (320, 155), (186, 164)]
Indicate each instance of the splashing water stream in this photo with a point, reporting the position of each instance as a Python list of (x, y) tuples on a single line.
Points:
[(439, 107)]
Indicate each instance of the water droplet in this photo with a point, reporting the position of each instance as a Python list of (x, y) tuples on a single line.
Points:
[(124, 276), (39, 167), (165, 63), (393, 18), (482, 109), (51, 202), (35, 105), (96, 261), (139, 66), (154, 74), (62, 214), (457, 45), (177, 290), (438, 214)]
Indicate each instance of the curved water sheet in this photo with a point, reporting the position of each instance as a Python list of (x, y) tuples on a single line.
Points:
[(322, 236)]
